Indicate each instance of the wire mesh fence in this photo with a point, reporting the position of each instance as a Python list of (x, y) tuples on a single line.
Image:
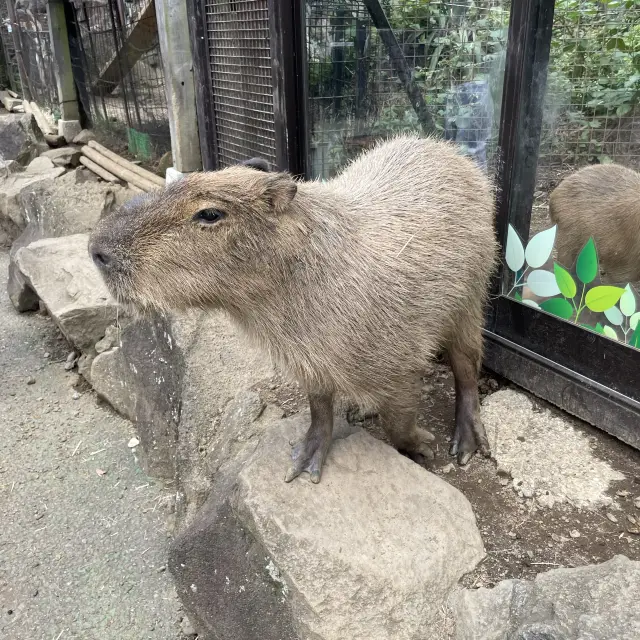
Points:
[(379, 68), (10, 63), (592, 104), (32, 25), (118, 71)]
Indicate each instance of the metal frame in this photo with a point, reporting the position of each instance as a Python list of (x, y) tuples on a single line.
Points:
[(585, 374)]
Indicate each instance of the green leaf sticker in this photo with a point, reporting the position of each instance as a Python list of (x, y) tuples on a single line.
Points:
[(540, 247), (531, 303), (610, 332), (614, 316), (602, 298), (514, 253), (565, 281), (634, 320), (587, 265), (558, 307), (628, 302), (635, 338), (599, 328), (517, 295)]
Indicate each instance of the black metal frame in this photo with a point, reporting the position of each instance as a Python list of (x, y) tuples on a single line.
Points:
[(586, 374)]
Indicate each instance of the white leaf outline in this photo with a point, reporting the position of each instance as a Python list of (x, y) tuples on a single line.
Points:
[(514, 253), (539, 249), (543, 283), (628, 302), (614, 316), (610, 332)]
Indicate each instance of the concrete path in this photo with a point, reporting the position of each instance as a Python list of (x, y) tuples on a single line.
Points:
[(83, 531)]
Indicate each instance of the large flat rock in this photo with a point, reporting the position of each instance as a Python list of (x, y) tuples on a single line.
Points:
[(597, 602), (370, 553), (20, 138), (61, 273)]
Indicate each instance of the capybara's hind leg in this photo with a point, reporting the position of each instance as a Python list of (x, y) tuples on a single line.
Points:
[(309, 454), (399, 422), (469, 435)]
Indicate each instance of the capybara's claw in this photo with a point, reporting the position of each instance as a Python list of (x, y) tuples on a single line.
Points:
[(306, 456), (467, 440)]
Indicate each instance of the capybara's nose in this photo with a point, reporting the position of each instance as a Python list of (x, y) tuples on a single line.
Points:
[(101, 258)]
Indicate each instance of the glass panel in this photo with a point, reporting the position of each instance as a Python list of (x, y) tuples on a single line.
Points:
[(582, 261), (382, 67)]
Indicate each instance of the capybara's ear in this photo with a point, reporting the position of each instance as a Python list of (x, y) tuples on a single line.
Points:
[(259, 164), (280, 190)]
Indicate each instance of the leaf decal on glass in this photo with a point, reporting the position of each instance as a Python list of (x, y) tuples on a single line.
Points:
[(628, 302), (543, 283), (602, 298), (540, 247), (514, 253), (565, 281), (531, 303), (587, 264), (599, 328), (610, 332), (634, 320), (635, 338), (558, 307), (614, 316)]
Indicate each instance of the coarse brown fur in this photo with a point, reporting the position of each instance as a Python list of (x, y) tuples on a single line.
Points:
[(600, 201), (352, 285)]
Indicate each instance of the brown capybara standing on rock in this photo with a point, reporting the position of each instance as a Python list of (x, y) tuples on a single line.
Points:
[(600, 201), (351, 285)]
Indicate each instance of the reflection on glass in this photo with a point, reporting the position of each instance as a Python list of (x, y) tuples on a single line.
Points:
[(380, 67), (586, 211)]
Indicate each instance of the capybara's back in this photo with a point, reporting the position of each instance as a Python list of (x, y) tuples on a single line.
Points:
[(600, 201)]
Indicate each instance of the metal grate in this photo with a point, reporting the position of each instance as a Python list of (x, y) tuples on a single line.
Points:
[(8, 49), (118, 71), (453, 54), (241, 80)]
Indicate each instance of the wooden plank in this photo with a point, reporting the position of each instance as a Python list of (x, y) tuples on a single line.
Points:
[(143, 34), (114, 157)]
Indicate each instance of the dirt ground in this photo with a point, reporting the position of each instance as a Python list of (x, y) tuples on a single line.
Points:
[(83, 539), (521, 537)]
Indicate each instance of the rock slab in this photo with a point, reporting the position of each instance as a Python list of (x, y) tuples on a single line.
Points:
[(597, 602), (20, 138), (61, 273), (370, 553)]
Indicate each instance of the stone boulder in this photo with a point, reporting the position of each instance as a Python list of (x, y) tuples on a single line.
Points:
[(597, 602), (20, 138), (60, 272), (12, 187), (64, 156), (371, 553)]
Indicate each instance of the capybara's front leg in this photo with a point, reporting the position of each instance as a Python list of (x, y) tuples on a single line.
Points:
[(469, 435), (309, 454)]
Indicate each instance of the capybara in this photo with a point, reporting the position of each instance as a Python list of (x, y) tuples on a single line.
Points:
[(352, 285), (600, 201)]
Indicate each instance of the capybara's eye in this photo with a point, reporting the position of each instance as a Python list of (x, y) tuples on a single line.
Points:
[(208, 216)]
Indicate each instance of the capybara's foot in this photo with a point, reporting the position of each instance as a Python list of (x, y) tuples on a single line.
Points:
[(469, 436), (417, 446), (308, 455)]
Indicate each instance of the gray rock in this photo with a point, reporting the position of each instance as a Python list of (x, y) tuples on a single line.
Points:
[(54, 140), (218, 363), (60, 271), (39, 165), (110, 380), (82, 175), (12, 218), (598, 602), (110, 339), (21, 294), (84, 365), (83, 137), (69, 129), (64, 156), (370, 553), (20, 138), (9, 166)]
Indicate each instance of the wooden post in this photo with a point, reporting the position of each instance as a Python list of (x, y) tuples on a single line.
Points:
[(177, 62), (67, 96)]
